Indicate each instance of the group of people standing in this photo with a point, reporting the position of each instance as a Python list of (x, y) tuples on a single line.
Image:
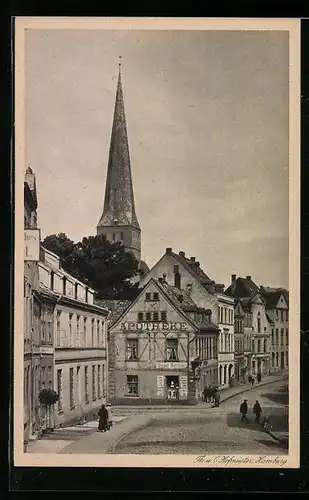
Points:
[(251, 379), (211, 395), (257, 410), (105, 418)]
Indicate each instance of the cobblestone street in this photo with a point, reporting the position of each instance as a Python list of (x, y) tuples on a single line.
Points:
[(212, 430)]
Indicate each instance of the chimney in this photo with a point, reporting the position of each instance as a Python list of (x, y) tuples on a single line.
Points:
[(248, 277), (189, 288), (177, 280), (160, 280), (233, 278), (180, 298), (182, 254), (168, 250), (197, 264), (164, 278), (192, 259)]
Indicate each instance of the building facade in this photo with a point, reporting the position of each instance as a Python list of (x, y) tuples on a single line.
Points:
[(226, 353), (153, 343), (80, 375), (257, 327), (32, 320), (277, 309), (186, 273), (239, 334)]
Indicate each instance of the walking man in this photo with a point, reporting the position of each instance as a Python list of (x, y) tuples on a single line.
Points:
[(257, 410), (103, 416), (244, 410), (109, 416)]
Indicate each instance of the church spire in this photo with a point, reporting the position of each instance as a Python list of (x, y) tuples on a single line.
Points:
[(119, 206)]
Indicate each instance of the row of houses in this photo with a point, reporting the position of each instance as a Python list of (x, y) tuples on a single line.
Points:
[(182, 333), (181, 320), (65, 337)]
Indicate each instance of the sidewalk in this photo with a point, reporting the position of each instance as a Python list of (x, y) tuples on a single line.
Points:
[(106, 442)]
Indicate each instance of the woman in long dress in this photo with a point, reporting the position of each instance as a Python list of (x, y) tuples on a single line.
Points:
[(103, 418)]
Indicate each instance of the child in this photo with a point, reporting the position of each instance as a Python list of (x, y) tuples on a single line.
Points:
[(110, 416)]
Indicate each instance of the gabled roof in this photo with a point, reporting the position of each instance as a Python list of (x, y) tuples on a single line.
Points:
[(242, 287), (193, 267), (272, 296), (179, 299)]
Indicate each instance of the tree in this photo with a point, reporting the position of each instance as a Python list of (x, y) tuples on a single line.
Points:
[(48, 398), (102, 265)]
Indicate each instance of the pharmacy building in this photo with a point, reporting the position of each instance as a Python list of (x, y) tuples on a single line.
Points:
[(162, 348)]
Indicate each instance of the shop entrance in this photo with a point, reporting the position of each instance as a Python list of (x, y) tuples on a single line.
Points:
[(172, 384)]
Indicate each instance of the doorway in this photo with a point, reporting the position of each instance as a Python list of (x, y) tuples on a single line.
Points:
[(172, 384), (282, 360)]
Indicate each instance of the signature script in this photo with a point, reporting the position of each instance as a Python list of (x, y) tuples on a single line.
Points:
[(230, 460)]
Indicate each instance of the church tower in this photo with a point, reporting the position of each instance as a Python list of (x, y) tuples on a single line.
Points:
[(118, 221)]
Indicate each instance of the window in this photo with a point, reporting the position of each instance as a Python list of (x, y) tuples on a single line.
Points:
[(43, 379), (114, 237), (287, 358), (277, 359), (156, 296), (103, 381), (287, 337), (171, 349), (282, 334), (132, 385), (99, 381), (94, 397), (98, 333), (265, 345), (121, 236), (58, 328), (52, 280), (86, 385), (70, 330), (272, 336), (72, 403), (43, 329), (259, 323), (163, 316), (64, 285), (277, 336), (148, 316), (176, 269), (92, 332), (77, 331), (148, 296), (59, 390), (85, 332), (132, 349), (140, 316), (155, 316), (49, 331), (277, 314), (282, 319), (287, 315)]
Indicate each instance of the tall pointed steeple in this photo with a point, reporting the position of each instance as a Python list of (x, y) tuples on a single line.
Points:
[(118, 221)]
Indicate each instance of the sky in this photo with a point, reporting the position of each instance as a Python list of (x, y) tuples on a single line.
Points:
[(207, 120)]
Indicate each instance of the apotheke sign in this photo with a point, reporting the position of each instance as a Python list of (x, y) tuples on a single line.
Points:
[(32, 245), (131, 325)]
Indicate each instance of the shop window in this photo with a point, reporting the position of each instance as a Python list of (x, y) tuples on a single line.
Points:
[(140, 316), (132, 349), (132, 385), (171, 349)]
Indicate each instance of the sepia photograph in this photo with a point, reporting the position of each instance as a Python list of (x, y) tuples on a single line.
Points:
[(156, 316)]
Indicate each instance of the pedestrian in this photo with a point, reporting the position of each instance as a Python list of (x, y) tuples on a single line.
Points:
[(252, 381), (217, 398), (204, 394), (257, 410), (109, 416), (103, 418), (259, 377), (244, 410)]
